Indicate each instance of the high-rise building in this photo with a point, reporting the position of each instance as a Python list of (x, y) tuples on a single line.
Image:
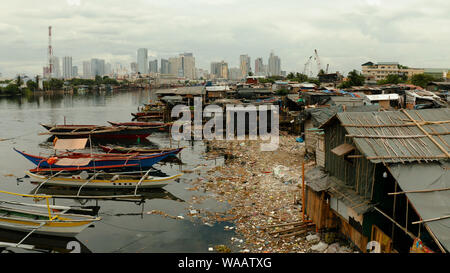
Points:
[(133, 67), (74, 71), (142, 61), (108, 69), (67, 67), (153, 66), (86, 69), (244, 62), (187, 62), (259, 67), (274, 67), (56, 69), (235, 73), (97, 67), (175, 66), (220, 70), (164, 66)]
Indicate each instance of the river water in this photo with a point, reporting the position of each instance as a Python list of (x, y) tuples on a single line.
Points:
[(125, 226)]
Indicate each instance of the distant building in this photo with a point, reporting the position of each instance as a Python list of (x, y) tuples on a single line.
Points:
[(74, 71), (260, 68), (175, 66), (219, 70), (153, 66), (67, 67), (133, 67), (56, 71), (86, 69), (142, 61), (188, 65), (108, 69), (438, 73), (97, 67), (164, 66), (274, 65), (235, 74), (376, 72), (244, 61)]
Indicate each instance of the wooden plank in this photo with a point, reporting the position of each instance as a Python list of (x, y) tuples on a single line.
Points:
[(343, 149)]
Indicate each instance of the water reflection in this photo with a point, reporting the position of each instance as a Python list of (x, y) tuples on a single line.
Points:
[(39, 243)]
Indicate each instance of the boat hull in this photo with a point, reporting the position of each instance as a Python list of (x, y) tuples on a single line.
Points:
[(141, 161), (53, 228), (149, 183)]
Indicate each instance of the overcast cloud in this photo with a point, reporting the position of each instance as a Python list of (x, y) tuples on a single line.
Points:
[(346, 33)]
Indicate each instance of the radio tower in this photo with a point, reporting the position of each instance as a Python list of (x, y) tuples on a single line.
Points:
[(50, 53)]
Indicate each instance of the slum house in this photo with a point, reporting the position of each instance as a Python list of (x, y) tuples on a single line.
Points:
[(253, 93), (216, 92), (312, 118), (438, 86), (386, 101), (385, 179), (187, 94)]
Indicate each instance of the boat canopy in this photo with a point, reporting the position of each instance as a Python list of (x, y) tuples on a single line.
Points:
[(70, 144)]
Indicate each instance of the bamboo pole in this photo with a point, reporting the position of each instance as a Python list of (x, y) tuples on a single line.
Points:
[(418, 191), (426, 133), (397, 224), (431, 220)]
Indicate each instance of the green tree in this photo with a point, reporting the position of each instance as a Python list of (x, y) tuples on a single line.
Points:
[(250, 73), (11, 88), (19, 81), (32, 85), (422, 80), (354, 78), (393, 79), (37, 82)]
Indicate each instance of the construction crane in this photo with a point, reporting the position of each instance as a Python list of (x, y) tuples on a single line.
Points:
[(307, 65), (319, 67)]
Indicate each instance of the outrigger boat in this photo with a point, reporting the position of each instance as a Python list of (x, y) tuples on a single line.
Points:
[(41, 219), (101, 180), (97, 132), (125, 150), (86, 160), (157, 126)]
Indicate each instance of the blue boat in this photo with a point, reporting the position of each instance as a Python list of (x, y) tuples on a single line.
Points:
[(84, 160)]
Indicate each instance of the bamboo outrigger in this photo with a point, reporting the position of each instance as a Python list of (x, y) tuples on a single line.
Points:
[(41, 219)]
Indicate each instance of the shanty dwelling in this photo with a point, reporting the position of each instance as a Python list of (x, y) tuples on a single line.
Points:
[(216, 92), (312, 118), (386, 101), (385, 179)]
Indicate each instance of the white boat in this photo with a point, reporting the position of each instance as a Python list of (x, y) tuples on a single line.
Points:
[(102, 180), (42, 219)]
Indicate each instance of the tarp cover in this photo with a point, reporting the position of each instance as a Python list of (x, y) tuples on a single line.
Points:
[(429, 205), (70, 144), (74, 162)]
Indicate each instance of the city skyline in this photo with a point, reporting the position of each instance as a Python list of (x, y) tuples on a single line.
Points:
[(346, 34)]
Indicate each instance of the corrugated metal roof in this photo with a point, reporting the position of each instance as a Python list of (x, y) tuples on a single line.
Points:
[(431, 204), (392, 137)]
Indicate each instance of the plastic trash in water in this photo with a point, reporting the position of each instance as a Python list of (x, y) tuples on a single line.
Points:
[(299, 139)]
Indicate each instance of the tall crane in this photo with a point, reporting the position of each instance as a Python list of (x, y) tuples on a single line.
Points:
[(307, 65), (319, 67)]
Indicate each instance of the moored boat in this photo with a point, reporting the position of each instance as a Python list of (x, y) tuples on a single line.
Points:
[(98, 132), (126, 150), (41, 219), (103, 180), (85, 160)]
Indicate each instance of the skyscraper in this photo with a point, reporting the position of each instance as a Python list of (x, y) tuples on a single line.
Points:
[(164, 66), (175, 66), (220, 70), (142, 61), (133, 67), (86, 69), (187, 65), (245, 65), (274, 65), (56, 69), (74, 71), (153, 66), (67, 67), (259, 67), (97, 67)]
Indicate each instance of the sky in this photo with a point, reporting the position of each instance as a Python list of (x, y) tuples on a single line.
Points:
[(346, 33)]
